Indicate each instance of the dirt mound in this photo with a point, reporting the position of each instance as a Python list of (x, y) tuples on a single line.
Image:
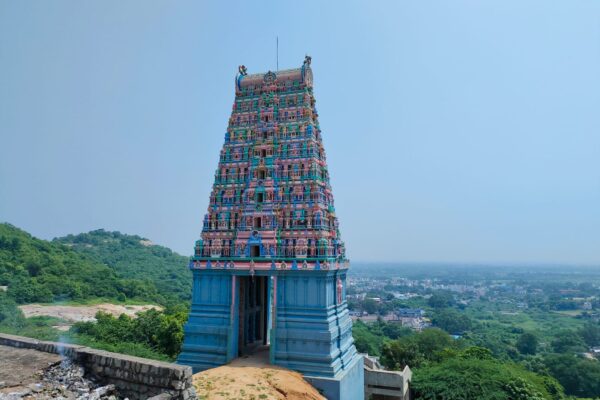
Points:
[(243, 379)]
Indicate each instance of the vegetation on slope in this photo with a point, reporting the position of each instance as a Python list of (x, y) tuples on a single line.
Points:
[(40, 271), (96, 266), (133, 257)]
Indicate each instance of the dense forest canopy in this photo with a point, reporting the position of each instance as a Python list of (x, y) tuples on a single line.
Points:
[(40, 271), (133, 257)]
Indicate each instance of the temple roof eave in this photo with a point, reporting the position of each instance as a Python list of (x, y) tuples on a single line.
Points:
[(259, 78)]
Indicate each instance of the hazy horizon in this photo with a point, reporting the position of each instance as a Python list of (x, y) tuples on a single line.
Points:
[(399, 263), (462, 133)]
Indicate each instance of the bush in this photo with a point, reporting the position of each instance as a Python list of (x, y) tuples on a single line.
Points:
[(488, 379), (159, 331)]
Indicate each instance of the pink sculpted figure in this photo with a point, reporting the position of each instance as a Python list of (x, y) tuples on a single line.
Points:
[(340, 287)]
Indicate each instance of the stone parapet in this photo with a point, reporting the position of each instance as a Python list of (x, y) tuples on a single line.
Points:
[(388, 385), (135, 377)]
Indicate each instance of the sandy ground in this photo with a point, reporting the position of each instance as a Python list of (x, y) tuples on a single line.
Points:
[(20, 367), (81, 313), (253, 379)]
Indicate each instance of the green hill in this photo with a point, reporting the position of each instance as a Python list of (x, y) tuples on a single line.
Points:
[(134, 257), (95, 266), (36, 270)]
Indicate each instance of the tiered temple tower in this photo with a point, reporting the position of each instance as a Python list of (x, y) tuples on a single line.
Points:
[(270, 267)]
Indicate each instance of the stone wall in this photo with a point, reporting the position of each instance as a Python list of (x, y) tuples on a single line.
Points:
[(136, 378), (386, 385)]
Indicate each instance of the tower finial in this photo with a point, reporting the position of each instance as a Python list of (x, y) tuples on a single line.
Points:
[(307, 60)]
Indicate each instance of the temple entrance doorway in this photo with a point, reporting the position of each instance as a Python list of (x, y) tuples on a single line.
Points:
[(253, 314)]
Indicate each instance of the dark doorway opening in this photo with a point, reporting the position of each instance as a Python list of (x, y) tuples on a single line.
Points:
[(258, 222), (253, 292), (260, 197), (254, 250)]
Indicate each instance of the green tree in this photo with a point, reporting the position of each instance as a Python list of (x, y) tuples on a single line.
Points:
[(395, 330), (520, 389), (580, 377), (432, 340), (441, 299), (489, 379), (367, 338), (417, 349), (479, 353), (397, 354), (451, 321), (10, 315), (590, 333), (527, 343), (568, 342), (370, 306)]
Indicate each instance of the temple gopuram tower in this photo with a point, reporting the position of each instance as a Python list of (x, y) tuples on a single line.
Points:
[(270, 267)]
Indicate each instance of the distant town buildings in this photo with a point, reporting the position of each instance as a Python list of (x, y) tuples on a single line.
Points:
[(398, 299)]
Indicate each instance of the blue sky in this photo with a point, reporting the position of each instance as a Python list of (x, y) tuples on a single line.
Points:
[(463, 131)]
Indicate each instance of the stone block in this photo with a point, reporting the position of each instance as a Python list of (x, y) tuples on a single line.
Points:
[(162, 396), (179, 385)]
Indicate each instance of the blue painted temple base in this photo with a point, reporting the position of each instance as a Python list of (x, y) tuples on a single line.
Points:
[(302, 316), (349, 385)]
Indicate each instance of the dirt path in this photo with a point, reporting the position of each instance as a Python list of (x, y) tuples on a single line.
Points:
[(82, 313)]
